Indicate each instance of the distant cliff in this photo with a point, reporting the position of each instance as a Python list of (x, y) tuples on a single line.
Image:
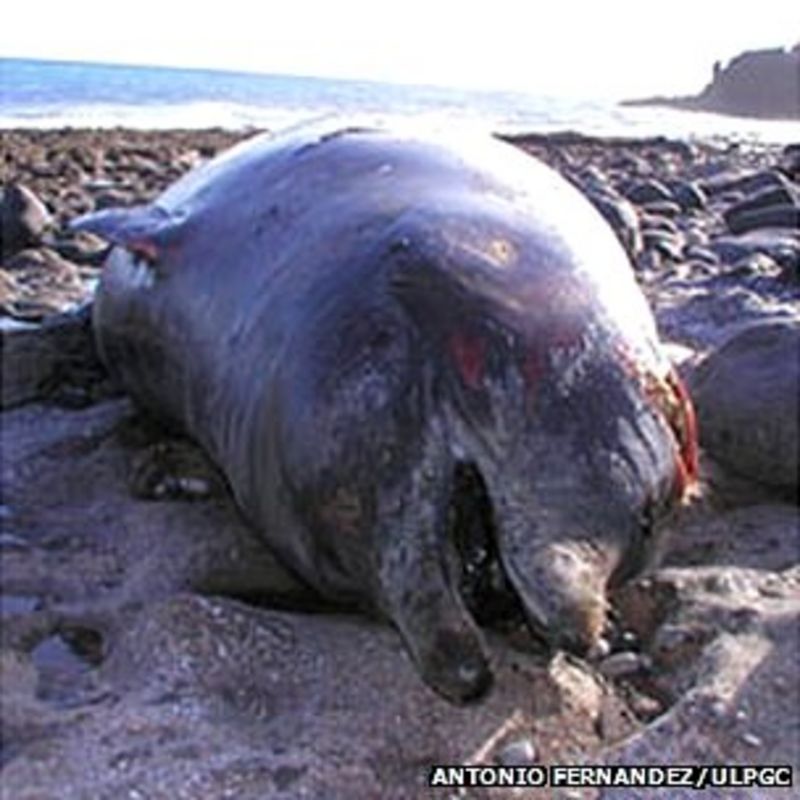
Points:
[(758, 83)]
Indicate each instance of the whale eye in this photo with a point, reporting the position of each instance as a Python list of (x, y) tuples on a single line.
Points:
[(647, 521)]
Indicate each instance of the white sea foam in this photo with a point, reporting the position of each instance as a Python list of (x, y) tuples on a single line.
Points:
[(50, 95)]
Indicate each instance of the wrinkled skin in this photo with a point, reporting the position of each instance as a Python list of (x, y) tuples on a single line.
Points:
[(342, 317)]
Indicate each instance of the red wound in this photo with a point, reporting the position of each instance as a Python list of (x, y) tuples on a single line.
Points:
[(469, 354), (567, 333), (143, 248), (533, 368), (669, 396), (684, 425)]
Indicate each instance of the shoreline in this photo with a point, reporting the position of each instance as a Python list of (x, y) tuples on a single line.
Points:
[(79, 154), (563, 133), (503, 114)]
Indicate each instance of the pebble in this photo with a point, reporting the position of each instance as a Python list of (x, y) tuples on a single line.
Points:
[(695, 234), (517, 753), (696, 252), (689, 196), (99, 184), (650, 261), (622, 217), (698, 269), (594, 178), (625, 662), (649, 191), (777, 216), (667, 244), (773, 589), (663, 208), (630, 164), (729, 251), (82, 248), (645, 707), (789, 162), (751, 740), (719, 709), (778, 195), (41, 169), (746, 184), (756, 264), (659, 223), (600, 649), (113, 198), (725, 584)]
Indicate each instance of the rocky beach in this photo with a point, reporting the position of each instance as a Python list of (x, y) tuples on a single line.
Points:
[(154, 648)]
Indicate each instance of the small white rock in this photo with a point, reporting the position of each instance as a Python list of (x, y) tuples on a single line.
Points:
[(517, 753), (599, 650), (719, 708), (751, 740), (625, 662)]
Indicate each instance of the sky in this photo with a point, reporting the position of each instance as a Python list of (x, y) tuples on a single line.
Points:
[(611, 48)]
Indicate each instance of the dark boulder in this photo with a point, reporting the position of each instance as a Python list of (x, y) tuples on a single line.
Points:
[(789, 163), (24, 218), (649, 191), (746, 393), (747, 183), (777, 216), (669, 245), (622, 217), (688, 195)]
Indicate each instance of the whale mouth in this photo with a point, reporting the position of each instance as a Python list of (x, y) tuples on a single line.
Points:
[(480, 577)]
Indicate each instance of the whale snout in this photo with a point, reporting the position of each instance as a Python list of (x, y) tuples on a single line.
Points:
[(561, 587)]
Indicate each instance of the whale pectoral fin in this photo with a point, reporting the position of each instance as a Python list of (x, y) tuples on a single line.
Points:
[(142, 230), (421, 599), (440, 635)]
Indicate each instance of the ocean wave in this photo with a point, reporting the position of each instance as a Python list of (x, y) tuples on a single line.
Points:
[(51, 95)]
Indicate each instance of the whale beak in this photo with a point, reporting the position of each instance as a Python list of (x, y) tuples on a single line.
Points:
[(522, 566), (561, 586)]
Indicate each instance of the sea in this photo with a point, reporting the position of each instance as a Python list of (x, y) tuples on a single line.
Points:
[(60, 94)]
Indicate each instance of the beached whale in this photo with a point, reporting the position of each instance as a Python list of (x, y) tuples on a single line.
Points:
[(344, 318)]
